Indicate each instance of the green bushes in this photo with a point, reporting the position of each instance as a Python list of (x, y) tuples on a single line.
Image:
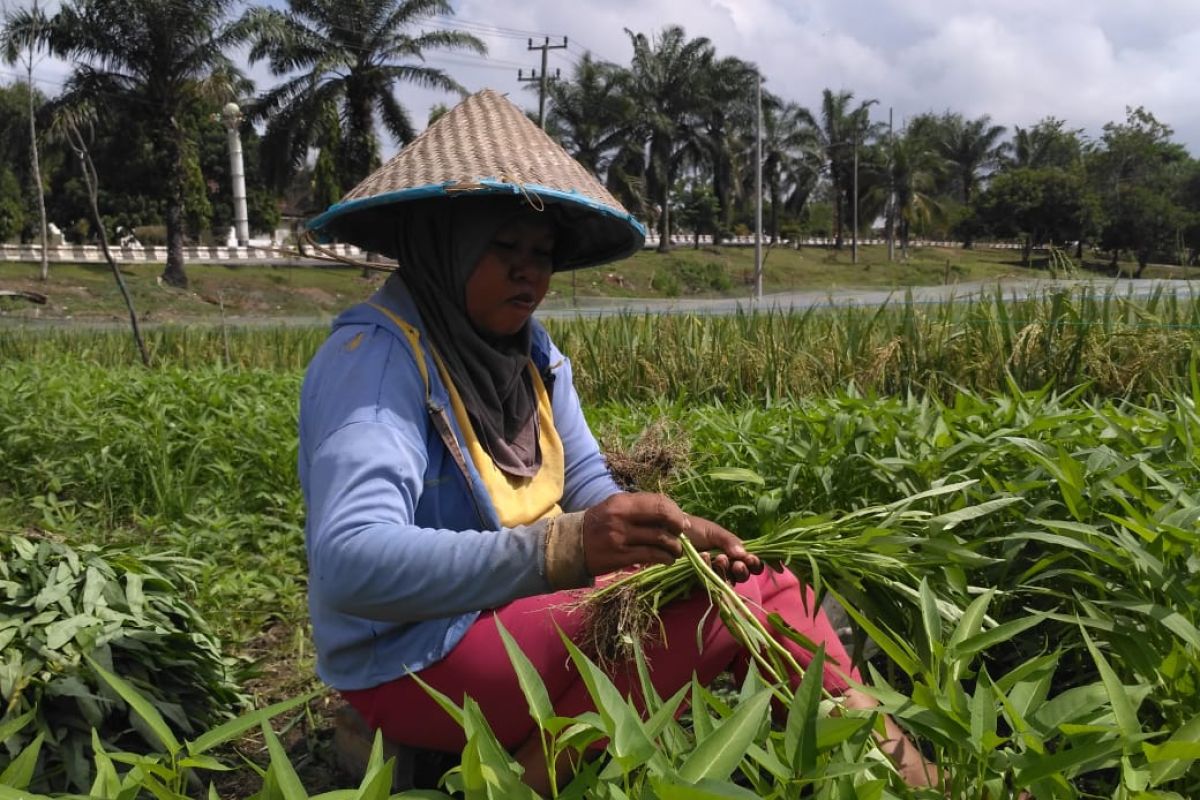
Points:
[(686, 277), (59, 605)]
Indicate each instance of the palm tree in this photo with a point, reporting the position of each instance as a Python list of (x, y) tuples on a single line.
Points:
[(972, 149), (591, 114), (725, 101), (914, 173), (838, 133), (1047, 144), (791, 159), (662, 82), (350, 56), (147, 60)]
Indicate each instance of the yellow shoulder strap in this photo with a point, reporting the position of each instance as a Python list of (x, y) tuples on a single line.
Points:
[(414, 341)]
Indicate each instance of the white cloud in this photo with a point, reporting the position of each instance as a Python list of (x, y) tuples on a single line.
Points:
[(1020, 60)]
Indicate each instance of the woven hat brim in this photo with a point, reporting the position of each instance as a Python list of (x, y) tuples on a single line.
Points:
[(595, 233)]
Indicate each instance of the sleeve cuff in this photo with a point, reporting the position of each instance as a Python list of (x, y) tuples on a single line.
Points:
[(566, 567)]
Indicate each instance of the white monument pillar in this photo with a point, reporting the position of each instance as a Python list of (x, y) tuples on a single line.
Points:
[(231, 115)]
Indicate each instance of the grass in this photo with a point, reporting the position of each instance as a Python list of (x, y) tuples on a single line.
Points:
[(85, 292)]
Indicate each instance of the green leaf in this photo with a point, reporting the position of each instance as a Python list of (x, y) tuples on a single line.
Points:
[(983, 716), (931, 619), (236, 727), (9, 727), (971, 621), (135, 596), (1071, 706), (665, 713), (203, 762), (717, 755), (737, 475), (668, 789), (896, 649), (64, 630), (19, 772), (107, 784), (629, 743), (1169, 618), (832, 731), (1033, 767), (531, 683), (1171, 760), (491, 767), (377, 780), (289, 782), (141, 706), (1123, 710), (158, 789), (800, 731), (9, 793), (993, 636), (954, 518)]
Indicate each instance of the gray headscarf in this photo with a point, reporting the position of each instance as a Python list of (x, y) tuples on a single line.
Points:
[(438, 245)]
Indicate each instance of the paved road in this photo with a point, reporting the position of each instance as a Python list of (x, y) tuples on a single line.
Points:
[(561, 308), (799, 301)]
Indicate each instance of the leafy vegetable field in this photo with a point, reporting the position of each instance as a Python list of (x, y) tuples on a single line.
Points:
[(1020, 563)]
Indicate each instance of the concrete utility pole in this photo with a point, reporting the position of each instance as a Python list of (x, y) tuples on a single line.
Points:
[(544, 77), (891, 212), (758, 164), (231, 115), (854, 241)]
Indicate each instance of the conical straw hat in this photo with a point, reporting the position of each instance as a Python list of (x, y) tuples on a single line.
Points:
[(486, 145)]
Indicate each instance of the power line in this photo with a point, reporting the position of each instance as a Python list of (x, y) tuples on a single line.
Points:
[(545, 47), (498, 29)]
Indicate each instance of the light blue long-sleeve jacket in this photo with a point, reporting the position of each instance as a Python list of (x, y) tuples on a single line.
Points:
[(404, 545)]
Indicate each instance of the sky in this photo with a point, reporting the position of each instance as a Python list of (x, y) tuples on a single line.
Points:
[(1083, 61)]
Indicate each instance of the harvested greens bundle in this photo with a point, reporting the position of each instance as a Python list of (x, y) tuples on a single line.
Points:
[(881, 549)]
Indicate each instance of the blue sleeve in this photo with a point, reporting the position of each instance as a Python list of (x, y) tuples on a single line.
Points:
[(363, 481), (587, 480)]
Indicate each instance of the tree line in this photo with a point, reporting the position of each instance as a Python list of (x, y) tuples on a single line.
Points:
[(673, 134)]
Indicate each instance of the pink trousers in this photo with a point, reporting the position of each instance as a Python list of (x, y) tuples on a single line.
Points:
[(479, 667)]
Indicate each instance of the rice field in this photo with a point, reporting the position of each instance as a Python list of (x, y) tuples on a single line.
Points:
[(1118, 345)]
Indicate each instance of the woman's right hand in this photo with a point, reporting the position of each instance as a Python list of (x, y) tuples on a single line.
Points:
[(641, 528)]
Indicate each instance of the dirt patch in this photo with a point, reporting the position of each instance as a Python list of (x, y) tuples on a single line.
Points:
[(319, 296), (283, 670)]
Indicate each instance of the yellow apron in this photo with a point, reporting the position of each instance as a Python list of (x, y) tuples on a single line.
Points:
[(518, 501)]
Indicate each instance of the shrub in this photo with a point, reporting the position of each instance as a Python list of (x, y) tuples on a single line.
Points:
[(665, 283), (710, 276), (151, 235)]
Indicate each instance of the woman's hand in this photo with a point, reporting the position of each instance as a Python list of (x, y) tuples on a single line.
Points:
[(642, 528)]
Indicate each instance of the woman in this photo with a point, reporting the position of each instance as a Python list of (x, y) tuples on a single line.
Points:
[(451, 480)]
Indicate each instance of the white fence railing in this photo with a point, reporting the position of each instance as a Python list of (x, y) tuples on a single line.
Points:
[(748, 241), (89, 253), (80, 253)]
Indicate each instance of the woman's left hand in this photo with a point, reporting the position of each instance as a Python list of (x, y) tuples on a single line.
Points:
[(731, 560)]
